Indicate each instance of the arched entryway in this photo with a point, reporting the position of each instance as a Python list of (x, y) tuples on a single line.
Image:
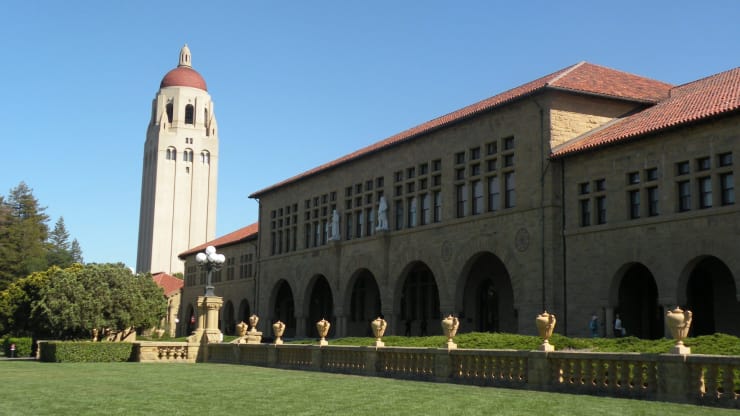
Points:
[(244, 311), (284, 308), (711, 297), (320, 306), (364, 305), (419, 302), (190, 320), (488, 298), (638, 306), (228, 326)]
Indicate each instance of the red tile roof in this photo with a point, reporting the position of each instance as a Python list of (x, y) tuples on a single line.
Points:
[(170, 284), (582, 78), (709, 97), (243, 234)]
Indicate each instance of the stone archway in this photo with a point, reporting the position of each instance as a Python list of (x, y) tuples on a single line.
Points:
[(244, 311), (637, 303), (228, 326), (364, 304), (488, 297), (711, 296), (284, 308), (419, 301), (320, 306)]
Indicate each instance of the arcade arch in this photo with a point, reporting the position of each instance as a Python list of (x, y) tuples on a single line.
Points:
[(637, 302), (284, 308), (710, 293), (320, 306), (486, 303), (364, 303), (419, 301)]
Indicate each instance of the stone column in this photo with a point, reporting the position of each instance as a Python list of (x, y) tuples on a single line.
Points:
[(609, 322), (341, 326), (300, 326)]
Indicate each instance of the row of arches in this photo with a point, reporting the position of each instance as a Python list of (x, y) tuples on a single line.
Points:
[(187, 155), (485, 301), (189, 113)]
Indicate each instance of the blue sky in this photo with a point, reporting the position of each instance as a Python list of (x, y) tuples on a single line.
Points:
[(295, 83)]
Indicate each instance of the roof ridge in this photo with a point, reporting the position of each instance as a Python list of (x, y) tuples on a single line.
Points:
[(564, 73)]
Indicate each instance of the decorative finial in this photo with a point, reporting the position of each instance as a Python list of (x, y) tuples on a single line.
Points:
[(185, 57)]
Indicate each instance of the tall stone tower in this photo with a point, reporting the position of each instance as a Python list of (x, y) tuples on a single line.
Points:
[(178, 186)]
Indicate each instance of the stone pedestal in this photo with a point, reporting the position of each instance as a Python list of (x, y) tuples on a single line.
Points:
[(254, 337), (207, 331)]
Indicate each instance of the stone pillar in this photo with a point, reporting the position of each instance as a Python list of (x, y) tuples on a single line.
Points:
[(300, 326), (609, 322), (341, 326), (211, 305), (538, 371), (673, 379)]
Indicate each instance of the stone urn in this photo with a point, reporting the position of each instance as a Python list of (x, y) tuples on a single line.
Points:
[(323, 328), (679, 322), (253, 320), (278, 328), (450, 324), (378, 326), (545, 325), (241, 329), (94, 334)]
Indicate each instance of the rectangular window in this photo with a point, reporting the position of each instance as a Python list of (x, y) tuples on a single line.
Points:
[(491, 148), (460, 173), (410, 173), (491, 165), (705, 192), (475, 153), (436, 165), (436, 180), (307, 236), (460, 158), (359, 222), (398, 204), (633, 178), (703, 164), (477, 197), (461, 192), (437, 206), (601, 210), (423, 169), (425, 209), (510, 191), (600, 185), (584, 188), (509, 143), (684, 196), (369, 221), (651, 174), (411, 212), (725, 159), (508, 160), (727, 185), (494, 194), (316, 233), (398, 176), (682, 168), (585, 212), (475, 169), (653, 197), (634, 200)]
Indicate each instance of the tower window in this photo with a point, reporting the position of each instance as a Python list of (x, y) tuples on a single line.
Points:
[(171, 153), (205, 157), (169, 112), (189, 114), (187, 155)]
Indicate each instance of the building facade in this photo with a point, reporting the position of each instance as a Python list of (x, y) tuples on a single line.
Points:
[(180, 171), (570, 194)]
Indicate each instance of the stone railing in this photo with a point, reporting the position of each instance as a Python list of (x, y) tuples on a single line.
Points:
[(695, 379), (167, 352)]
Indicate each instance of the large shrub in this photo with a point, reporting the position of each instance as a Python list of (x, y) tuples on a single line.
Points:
[(23, 346)]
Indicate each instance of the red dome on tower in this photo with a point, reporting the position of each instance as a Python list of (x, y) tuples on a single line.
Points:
[(184, 75)]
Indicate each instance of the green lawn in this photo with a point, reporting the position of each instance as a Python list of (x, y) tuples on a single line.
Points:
[(33, 388)]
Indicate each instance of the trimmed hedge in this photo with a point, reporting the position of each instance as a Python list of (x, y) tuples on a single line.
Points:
[(86, 351), (23, 346)]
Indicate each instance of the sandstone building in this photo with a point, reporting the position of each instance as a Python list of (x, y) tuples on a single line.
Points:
[(587, 191)]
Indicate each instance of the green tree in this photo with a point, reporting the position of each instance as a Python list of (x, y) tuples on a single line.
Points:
[(81, 298), (23, 234), (76, 252), (16, 302), (59, 251)]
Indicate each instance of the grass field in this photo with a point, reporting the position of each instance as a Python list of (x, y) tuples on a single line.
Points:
[(33, 388)]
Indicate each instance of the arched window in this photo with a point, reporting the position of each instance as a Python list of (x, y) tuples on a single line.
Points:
[(205, 157), (169, 112), (189, 114), (171, 153), (187, 155)]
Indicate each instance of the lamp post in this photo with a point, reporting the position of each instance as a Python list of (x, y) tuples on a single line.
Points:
[(211, 261)]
